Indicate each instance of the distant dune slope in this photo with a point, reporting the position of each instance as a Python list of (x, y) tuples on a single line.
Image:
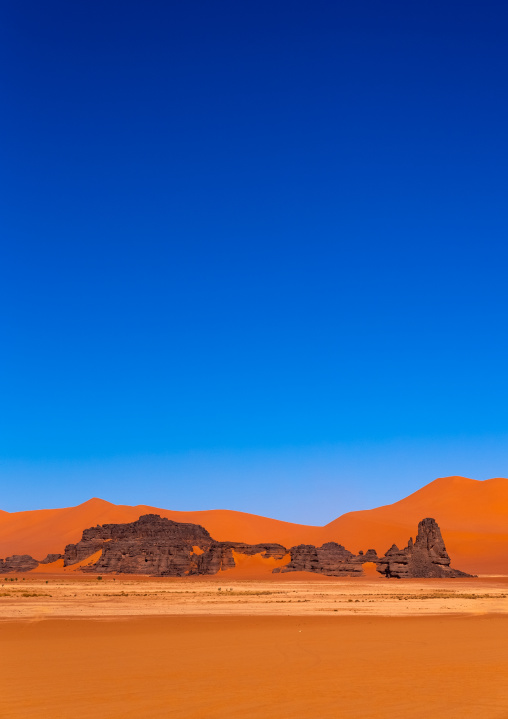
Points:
[(473, 517), (42, 531)]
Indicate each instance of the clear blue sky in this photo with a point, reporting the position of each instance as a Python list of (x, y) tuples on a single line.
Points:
[(254, 255)]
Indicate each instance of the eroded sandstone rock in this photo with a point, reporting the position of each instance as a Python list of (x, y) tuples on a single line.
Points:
[(157, 546), (426, 557), (18, 563), (50, 558), (331, 559)]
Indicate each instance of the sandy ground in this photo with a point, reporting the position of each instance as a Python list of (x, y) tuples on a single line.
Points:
[(216, 667), (77, 646), (43, 596)]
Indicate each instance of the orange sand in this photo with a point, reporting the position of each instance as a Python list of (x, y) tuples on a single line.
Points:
[(42, 531), (52, 568), (473, 517), (231, 593), (256, 668), (255, 566)]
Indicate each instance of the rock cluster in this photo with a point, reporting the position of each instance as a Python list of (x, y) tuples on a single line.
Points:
[(426, 557), (18, 563), (331, 559), (157, 546), (50, 558)]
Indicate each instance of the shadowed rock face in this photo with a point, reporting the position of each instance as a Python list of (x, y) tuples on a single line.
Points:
[(157, 546)]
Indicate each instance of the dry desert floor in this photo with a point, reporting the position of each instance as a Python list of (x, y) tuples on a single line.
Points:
[(229, 648)]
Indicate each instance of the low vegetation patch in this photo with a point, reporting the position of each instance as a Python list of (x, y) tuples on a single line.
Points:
[(246, 593), (34, 594)]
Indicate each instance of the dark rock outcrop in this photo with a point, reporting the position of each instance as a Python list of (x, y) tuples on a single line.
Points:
[(50, 558), (221, 554), (18, 563), (426, 557), (150, 545), (331, 559), (157, 546)]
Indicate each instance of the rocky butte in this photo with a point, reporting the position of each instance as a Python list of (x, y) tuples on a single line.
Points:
[(156, 546)]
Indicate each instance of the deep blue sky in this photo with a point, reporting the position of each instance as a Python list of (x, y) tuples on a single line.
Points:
[(254, 255)]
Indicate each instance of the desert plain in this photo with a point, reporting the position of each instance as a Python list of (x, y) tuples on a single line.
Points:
[(249, 644), (245, 644)]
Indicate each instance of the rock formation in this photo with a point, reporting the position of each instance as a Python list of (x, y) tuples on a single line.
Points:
[(18, 563), (331, 559), (156, 546), (426, 557), (50, 558)]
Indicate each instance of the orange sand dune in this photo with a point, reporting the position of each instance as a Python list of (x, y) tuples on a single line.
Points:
[(473, 516), (43, 531), (255, 566)]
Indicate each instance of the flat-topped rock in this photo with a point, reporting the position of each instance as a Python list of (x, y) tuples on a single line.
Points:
[(157, 546), (18, 563)]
